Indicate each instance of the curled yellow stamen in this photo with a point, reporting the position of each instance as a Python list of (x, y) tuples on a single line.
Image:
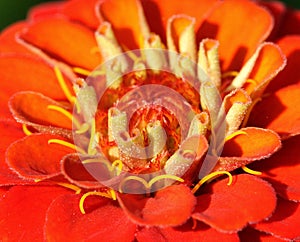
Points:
[(70, 186), (63, 85), (212, 176), (165, 176), (246, 118), (230, 74), (26, 130), (65, 113), (231, 136), (67, 144), (133, 56), (81, 71), (107, 194), (252, 172), (83, 128), (136, 178)]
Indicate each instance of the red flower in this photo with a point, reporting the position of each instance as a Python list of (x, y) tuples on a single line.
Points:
[(50, 192)]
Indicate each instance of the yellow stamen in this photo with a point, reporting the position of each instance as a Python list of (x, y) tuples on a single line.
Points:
[(252, 81), (230, 74), (136, 178), (81, 71), (65, 113), (113, 194), (246, 118), (133, 56), (26, 130), (231, 136), (212, 176), (63, 85), (67, 144), (93, 139), (252, 172), (118, 164), (83, 128), (165, 176), (84, 196), (70, 186)]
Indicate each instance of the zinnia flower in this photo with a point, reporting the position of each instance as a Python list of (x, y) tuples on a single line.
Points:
[(76, 166)]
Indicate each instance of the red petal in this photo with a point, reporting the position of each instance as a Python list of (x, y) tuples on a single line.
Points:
[(32, 107), (10, 132), (249, 235), (230, 208), (282, 169), (27, 73), (65, 40), (240, 26), (23, 210), (158, 12), (243, 149), (65, 222), (8, 40), (169, 207), (184, 233), (33, 158), (291, 24), (290, 45), (44, 10), (278, 11), (285, 118), (86, 15), (284, 223)]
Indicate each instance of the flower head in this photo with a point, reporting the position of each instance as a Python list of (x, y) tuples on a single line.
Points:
[(177, 120)]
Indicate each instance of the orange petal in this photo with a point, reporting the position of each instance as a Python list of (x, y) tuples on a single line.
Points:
[(230, 208), (64, 40), (240, 26), (159, 11), (279, 112), (242, 149), (125, 17), (290, 46), (8, 39), (86, 15), (268, 64), (32, 107)]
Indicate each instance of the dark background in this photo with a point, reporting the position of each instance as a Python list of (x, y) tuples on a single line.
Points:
[(13, 10)]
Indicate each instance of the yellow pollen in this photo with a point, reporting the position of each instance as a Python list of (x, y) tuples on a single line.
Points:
[(231, 136), (252, 172), (63, 85), (230, 74), (100, 194), (165, 176), (65, 113), (26, 130), (81, 71), (67, 144), (212, 176), (246, 118), (70, 186)]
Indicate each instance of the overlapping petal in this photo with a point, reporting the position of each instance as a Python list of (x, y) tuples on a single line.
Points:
[(229, 208), (166, 208), (254, 144), (64, 36), (232, 24), (103, 222), (23, 211), (285, 118), (282, 169), (34, 158)]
